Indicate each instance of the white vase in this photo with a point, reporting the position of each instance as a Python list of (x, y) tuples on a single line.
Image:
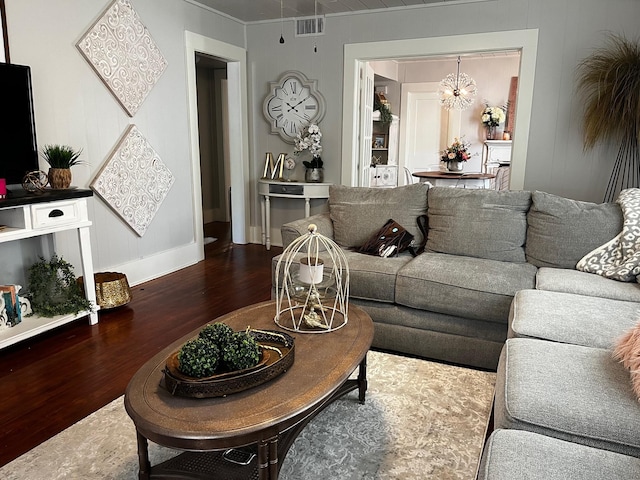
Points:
[(453, 166)]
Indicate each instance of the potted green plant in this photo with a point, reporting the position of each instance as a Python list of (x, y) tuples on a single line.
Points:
[(54, 289), (60, 159)]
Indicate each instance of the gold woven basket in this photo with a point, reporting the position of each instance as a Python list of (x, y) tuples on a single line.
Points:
[(112, 289)]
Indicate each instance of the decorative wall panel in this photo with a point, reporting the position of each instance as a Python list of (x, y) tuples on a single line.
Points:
[(134, 181), (123, 54)]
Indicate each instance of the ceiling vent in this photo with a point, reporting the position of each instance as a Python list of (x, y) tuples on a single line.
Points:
[(309, 26)]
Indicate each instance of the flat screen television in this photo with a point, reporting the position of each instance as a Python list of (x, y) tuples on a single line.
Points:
[(19, 149)]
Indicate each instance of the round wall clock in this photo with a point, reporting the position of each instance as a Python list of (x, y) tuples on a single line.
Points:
[(293, 102)]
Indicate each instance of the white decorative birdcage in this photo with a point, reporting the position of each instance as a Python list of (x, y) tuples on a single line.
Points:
[(312, 285)]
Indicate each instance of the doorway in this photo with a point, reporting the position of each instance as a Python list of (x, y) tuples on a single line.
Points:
[(238, 149), (358, 55), (213, 133)]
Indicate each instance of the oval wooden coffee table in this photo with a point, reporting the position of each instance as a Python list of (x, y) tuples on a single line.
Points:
[(265, 419)]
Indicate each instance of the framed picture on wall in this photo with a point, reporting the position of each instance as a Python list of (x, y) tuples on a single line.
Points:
[(379, 140), (4, 54)]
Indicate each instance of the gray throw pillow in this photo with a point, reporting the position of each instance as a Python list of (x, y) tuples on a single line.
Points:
[(562, 231), (358, 212), (478, 223)]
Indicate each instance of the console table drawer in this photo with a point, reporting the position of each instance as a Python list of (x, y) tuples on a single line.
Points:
[(287, 189), (60, 213)]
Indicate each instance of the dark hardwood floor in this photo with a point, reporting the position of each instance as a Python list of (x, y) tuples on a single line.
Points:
[(49, 382)]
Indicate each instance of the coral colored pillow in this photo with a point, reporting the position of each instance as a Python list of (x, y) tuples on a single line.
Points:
[(627, 351)]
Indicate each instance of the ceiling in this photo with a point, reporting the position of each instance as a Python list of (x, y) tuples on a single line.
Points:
[(260, 10)]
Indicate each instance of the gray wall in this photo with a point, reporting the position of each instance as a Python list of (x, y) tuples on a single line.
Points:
[(72, 106), (569, 30)]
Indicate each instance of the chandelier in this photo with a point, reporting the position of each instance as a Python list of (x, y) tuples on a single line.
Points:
[(457, 91)]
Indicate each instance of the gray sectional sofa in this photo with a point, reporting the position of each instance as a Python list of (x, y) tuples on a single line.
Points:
[(497, 288), (452, 302)]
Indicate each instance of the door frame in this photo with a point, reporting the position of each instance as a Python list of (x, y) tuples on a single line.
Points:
[(236, 58), (526, 41)]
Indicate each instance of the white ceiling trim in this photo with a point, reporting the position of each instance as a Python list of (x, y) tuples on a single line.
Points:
[(270, 9)]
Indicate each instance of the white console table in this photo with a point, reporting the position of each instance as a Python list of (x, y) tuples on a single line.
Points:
[(28, 215), (298, 190)]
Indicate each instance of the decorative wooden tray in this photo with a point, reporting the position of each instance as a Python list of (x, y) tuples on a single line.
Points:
[(273, 362)]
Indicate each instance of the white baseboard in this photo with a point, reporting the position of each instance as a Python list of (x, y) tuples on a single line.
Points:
[(163, 263)]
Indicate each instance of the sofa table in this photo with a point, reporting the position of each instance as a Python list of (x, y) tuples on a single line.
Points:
[(459, 180), (24, 215), (265, 419), (276, 188)]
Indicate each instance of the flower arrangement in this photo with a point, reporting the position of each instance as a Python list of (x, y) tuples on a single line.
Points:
[(493, 116), (309, 139), (457, 152)]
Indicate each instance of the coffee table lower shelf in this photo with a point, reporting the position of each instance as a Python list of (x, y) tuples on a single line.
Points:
[(267, 457)]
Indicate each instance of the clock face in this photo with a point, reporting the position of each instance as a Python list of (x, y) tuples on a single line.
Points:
[(293, 103)]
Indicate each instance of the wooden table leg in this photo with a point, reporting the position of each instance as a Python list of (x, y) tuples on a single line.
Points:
[(143, 457), (268, 459), (362, 380), (273, 458)]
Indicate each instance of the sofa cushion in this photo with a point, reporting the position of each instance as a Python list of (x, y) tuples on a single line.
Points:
[(582, 283), (562, 231), (569, 318), (358, 212), (374, 278), (463, 286), (516, 454), (478, 223), (370, 278), (574, 393)]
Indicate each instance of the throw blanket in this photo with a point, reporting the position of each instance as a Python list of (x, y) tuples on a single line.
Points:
[(619, 258)]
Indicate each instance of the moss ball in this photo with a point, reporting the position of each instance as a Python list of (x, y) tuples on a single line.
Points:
[(241, 352), (198, 358), (217, 333)]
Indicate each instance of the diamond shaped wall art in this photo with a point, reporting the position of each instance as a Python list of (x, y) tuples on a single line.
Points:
[(123, 54), (134, 181)]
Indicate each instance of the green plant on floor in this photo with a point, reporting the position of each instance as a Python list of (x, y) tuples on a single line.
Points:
[(61, 156), (54, 289)]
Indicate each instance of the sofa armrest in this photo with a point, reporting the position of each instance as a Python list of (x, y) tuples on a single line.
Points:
[(292, 230)]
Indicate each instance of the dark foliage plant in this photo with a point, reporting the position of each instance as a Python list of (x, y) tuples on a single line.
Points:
[(241, 352), (218, 333), (54, 290), (198, 358), (218, 349)]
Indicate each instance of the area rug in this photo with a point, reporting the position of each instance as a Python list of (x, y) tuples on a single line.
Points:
[(421, 420)]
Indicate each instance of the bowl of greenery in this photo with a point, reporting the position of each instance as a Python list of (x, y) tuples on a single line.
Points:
[(221, 361)]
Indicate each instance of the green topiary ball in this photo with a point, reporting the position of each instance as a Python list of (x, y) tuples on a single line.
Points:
[(217, 333), (198, 358), (241, 352)]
